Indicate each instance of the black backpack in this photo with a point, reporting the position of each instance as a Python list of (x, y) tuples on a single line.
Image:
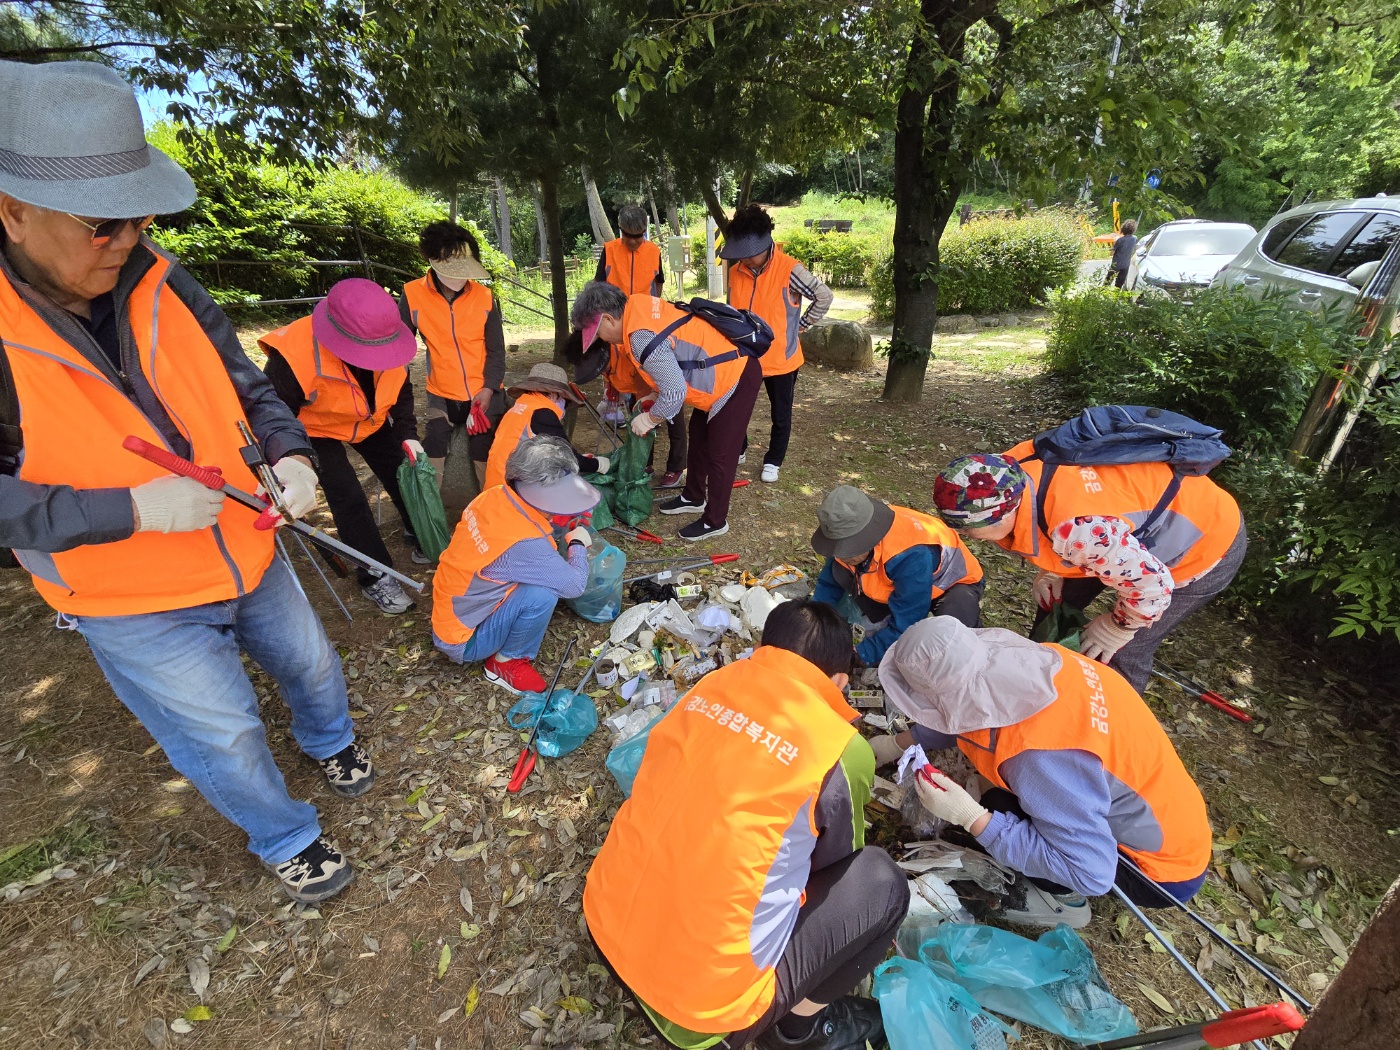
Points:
[(749, 333)]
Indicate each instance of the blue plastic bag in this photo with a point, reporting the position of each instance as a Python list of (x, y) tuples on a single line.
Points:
[(626, 758), (922, 1011), (601, 600), (566, 725), (1052, 983)]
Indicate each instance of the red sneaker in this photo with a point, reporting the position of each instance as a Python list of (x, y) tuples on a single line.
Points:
[(671, 479), (515, 676)]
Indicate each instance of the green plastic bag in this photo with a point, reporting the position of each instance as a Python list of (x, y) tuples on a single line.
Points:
[(1064, 626), (626, 487), (418, 483)]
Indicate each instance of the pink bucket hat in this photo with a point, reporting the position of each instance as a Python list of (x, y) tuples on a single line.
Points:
[(359, 322)]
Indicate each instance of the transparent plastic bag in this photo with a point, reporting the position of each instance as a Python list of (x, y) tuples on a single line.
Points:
[(923, 1011), (626, 758), (601, 599), (569, 721), (1052, 983)]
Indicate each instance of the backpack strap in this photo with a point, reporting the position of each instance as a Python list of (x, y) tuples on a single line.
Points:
[(11, 435), (1163, 501), (1143, 531), (689, 366), (658, 339)]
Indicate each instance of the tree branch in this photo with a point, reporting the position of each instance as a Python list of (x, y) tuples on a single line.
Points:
[(74, 49)]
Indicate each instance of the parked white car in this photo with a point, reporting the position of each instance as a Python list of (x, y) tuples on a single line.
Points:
[(1184, 255)]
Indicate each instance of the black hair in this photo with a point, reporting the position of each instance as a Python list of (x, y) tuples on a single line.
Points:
[(443, 240), (749, 220), (814, 631)]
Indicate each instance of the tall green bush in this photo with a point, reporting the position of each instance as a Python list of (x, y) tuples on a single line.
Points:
[(840, 259)]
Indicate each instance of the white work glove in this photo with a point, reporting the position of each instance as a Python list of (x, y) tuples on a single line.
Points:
[(298, 485), (947, 799), (174, 504), (1103, 638), (578, 535), (886, 748), (1047, 589), (643, 423), (604, 464), (414, 447)]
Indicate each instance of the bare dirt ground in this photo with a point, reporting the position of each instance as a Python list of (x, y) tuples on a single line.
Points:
[(134, 917)]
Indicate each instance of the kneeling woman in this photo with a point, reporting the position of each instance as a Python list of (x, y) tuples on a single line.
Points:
[(500, 578)]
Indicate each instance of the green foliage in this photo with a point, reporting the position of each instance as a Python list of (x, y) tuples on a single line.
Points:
[(841, 259), (880, 280)]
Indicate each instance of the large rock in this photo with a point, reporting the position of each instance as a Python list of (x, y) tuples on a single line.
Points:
[(955, 324), (843, 345)]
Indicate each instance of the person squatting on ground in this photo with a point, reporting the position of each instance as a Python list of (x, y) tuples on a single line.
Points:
[(772, 284), (501, 576), (343, 372), (896, 564), (1088, 542), (734, 896), (106, 336), (540, 400), (695, 365), (633, 264), (1078, 765), (1123, 248), (460, 322)]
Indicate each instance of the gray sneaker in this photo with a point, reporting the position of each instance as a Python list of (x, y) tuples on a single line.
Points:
[(1026, 904), (317, 872), (386, 593)]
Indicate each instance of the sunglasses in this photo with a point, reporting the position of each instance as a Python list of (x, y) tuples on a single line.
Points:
[(104, 230), (633, 236)]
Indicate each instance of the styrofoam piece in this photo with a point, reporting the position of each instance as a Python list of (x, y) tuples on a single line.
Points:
[(732, 592), (630, 620), (756, 604)]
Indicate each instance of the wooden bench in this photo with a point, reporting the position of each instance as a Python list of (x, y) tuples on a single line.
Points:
[(829, 225)]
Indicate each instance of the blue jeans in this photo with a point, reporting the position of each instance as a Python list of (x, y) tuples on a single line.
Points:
[(179, 672), (514, 631)]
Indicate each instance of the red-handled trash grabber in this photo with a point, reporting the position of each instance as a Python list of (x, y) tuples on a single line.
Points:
[(1200, 692), (212, 478), (638, 534), (714, 559), (1229, 1029), (526, 762)]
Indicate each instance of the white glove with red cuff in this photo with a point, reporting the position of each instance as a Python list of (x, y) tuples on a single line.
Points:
[(173, 504), (1103, 638), (414, 448), (1047, 589), (947, 799)]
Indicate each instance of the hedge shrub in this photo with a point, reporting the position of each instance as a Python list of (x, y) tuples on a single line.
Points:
[(840, 259)]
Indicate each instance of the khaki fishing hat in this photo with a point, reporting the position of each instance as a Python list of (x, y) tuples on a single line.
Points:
[(850, 523), (461, 267), (546, 378)]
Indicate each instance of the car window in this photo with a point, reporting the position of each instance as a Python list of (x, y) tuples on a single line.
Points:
[(1274, 239), (1202, 240), (1369, 244), (1312, 246)]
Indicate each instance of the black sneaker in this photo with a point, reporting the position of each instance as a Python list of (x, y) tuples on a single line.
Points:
[(317, 872), (697, 530), (847, 1024), (349, 771), (680, 505)]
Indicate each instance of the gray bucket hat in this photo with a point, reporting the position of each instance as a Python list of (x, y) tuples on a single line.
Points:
[(957, 679), (850, 523), (72, 139)]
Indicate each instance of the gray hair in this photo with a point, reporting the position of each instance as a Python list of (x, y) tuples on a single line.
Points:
[(597, 297), (541, 460), (632, 217)]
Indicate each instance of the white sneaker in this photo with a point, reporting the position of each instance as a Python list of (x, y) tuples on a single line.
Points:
[(770, 473), (743, 456), (1026, 904), (386, 593)]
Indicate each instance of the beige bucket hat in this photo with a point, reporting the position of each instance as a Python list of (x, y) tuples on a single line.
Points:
[(546, 378)]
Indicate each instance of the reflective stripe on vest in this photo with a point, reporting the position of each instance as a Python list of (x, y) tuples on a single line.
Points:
[(455, 334), (955, 563), (513, 429), (463, 596), (1189, 537), (336, 406), (1157, 813), (711, 364), (696, 890), (74, 421), (770, 295), (633, 272)]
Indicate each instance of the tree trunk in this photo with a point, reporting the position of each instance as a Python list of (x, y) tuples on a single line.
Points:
[(651, 203), (668, 189), (452, 206), (714, 207), (597, 215), (542, 244), (745, 189), (503, 220), (554, 237), (1361, 1010)]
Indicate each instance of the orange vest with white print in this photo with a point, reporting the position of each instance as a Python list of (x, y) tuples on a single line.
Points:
[(74, 421), (463, 595), (633, 272), (1191, 536), (912, 529), (455, 334), (696, 890), (336, 406), (623, 374), (513, 429), (770, 295), (711, 364), (1158, 817)]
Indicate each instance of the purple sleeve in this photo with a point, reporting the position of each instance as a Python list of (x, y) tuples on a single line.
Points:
[(932, 739), (1068, 839), (537, 562)]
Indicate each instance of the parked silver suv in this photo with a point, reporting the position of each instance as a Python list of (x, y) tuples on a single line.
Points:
[(1318, 254)]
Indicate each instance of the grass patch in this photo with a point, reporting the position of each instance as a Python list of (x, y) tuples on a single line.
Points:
[(73, 840)]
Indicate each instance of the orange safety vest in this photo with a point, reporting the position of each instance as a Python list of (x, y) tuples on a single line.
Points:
[(912, 529), (633, 272), (694, 894), (74, 421), (336, 406), (711, 364), (513, 429), (455, 334), (463, 595), (1096, 710), (770, 295), (1191, 536), (623, 374)]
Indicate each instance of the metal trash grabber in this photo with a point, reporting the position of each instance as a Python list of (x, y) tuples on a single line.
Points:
[(526, 762), (1229, 1029), (714, 559), (603, 428), (638, 534), (1201, 693)]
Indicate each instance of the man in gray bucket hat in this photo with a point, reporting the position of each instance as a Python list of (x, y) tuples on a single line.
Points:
[(106, 336)]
